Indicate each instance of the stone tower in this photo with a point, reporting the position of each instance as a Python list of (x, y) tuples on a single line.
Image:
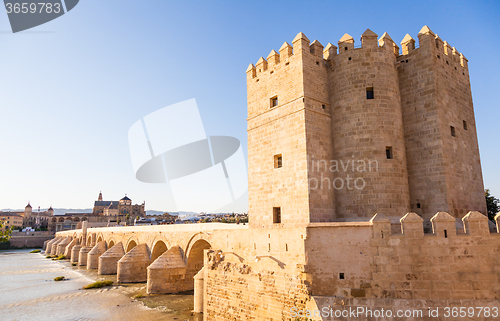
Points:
[(368, 129), (440, 129), (99, 199), (343, 134), (27, 210), (288, 116)]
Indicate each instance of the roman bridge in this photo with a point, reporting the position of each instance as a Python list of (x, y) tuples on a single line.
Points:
[(167, 257)]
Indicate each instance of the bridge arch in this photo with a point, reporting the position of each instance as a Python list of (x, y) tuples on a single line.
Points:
[(194, 254), (89, 240), (111, 243), (100, 238), (131, 243), (159, 247)]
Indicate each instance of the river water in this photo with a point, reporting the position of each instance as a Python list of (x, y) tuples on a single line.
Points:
[(28, 292)]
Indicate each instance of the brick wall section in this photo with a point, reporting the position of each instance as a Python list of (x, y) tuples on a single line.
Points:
[(237, 291)]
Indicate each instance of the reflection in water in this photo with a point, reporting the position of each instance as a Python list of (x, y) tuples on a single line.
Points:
[(29, 293)]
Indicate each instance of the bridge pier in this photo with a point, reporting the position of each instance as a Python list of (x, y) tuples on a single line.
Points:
[(75, 253), (132, 268), (62, 246), (199, 292), (108, 261), (94, 254), (48, 249), (44, 247), (53, 248), (82, 255), (67, 251), (167, 274)]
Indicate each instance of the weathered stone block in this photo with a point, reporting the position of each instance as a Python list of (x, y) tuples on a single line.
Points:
[(108, 261), (132, 268), (167, 274), (94, 254)]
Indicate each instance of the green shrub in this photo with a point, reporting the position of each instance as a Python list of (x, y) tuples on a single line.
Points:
[(59, 278), (36, 251), (60, 257), (139, 295), (98, 284)]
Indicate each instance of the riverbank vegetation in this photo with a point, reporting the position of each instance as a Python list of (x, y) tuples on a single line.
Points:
[(98, 284)]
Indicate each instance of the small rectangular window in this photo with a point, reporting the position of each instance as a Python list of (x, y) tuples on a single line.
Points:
[(388, 152), (465, 125), (276, 214), (452, 129), (278, 161), (274, 101), (341, 276), (369, 93)]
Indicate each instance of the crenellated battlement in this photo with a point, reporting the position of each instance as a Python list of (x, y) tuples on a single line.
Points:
[(443, 225), (347, 43)]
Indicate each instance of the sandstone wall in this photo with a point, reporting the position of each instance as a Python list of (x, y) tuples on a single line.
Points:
[(444, 171), (364, 128), (445, 265)]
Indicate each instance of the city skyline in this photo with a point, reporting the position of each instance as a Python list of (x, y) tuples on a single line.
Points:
[(72, 88)]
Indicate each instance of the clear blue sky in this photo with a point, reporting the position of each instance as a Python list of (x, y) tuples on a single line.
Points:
[(69, 95)]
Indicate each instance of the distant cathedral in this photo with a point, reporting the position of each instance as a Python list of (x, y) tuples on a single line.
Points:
[(118, 208)]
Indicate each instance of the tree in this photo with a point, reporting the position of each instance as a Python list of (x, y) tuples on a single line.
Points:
[(127, 217), (492, 204), (4, 235)]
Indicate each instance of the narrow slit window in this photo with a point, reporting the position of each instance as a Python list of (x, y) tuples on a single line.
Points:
[(276, 215), (418, 205), (452, 129), (278, 161), (445, 234), (369, 93), (388, 152), (274, 101), (323, 106), (465, 125)]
